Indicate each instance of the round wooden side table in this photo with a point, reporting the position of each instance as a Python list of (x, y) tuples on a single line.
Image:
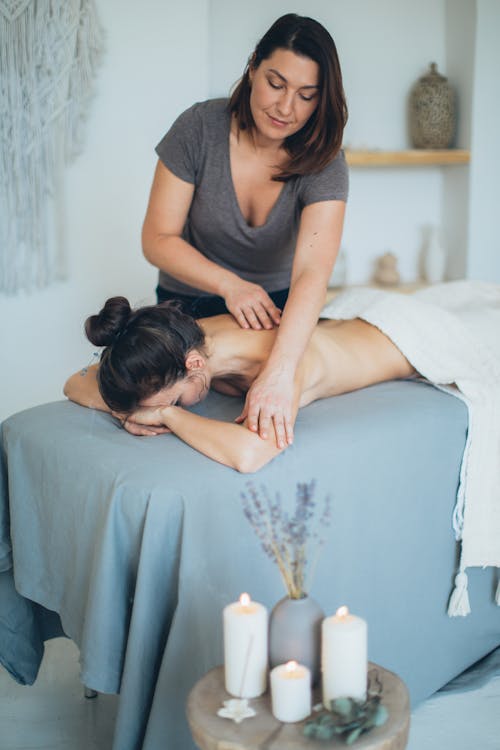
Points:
[(264, 732)]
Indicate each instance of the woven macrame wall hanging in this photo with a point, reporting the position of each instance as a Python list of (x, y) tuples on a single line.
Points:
[(49, 52)]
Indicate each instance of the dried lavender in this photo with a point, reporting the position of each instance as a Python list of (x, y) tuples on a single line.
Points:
[(286, 538)]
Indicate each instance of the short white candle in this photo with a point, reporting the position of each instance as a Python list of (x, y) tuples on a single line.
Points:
[(245, 648), (344, 660), (291, 692)]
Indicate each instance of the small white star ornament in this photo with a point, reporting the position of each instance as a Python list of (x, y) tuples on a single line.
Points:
[(236, 709)]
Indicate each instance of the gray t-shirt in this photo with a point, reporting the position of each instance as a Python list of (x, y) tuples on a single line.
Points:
[(196, 149)]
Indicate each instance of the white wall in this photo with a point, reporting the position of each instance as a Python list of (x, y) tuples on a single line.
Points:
[(460, 50), (384, 47), (161, 56), (154, 66), (483, 260)]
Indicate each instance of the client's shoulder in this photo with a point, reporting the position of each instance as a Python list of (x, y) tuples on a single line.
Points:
[(218, 323)]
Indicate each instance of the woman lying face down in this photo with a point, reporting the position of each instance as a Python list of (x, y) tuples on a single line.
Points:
[(158, 360)]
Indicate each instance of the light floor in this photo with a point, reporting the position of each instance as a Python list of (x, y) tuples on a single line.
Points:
[(53, 714)]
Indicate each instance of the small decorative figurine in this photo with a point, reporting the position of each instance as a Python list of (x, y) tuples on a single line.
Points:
[(236, 709), (386, 270)]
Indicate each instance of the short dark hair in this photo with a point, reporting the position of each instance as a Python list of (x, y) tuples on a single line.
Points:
[(145, 350), (318, 142)]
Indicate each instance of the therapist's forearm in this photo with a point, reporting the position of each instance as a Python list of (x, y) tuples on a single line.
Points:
[(179, 259), (300, 316)]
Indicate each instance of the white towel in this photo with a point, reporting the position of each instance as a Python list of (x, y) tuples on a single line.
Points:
[(451, 335)]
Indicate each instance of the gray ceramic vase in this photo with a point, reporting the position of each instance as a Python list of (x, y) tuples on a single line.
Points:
[(432, 111), (295, 633)]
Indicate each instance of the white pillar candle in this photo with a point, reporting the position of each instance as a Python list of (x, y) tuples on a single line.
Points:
[(344, 660), (245, 648), (291, 692)]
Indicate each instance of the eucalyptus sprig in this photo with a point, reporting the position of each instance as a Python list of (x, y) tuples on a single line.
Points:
[(286, 538), (348, 717)]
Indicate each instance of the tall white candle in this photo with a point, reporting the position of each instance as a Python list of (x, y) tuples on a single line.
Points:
[(245, 648), (291, 692), (344, 661)]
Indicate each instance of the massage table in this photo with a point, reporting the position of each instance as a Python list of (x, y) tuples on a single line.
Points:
[(132, 546)]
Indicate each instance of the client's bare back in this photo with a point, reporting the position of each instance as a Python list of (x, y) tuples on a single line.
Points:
[(342, 356), (356, 354)]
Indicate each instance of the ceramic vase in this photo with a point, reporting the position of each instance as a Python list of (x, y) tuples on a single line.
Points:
[(434, 259), (432, 111), (295, 633)]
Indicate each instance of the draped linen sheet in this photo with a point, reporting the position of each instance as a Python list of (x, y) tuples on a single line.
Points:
[(451, 335), (137, 544)]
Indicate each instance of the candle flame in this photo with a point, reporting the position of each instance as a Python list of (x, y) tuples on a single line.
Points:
[(291, 666), (244, 600), (342, 612)]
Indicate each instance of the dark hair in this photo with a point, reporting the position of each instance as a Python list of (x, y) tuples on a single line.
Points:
[(145, 349), (318, 142)]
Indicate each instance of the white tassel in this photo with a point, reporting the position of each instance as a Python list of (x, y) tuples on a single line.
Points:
[(497, 595), (459, 600)]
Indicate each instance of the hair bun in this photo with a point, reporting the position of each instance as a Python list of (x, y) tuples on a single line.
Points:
[(102, 329)]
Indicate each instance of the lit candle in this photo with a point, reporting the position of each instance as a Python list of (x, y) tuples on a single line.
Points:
[(245, 648), (291, 692), (344, 661)]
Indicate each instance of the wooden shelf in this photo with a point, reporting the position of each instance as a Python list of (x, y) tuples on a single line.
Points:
[(406, 287), (412, 157)]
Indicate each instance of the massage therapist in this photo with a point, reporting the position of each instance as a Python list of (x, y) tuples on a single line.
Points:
[(247, 204)]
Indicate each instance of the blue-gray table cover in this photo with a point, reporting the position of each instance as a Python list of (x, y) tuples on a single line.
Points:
[(137, 544)]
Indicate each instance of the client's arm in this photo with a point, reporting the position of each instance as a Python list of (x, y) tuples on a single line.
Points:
[(228, 443), (82, 388)]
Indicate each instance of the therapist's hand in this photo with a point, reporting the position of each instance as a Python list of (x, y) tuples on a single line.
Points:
[(268, 406), (251, 305)]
